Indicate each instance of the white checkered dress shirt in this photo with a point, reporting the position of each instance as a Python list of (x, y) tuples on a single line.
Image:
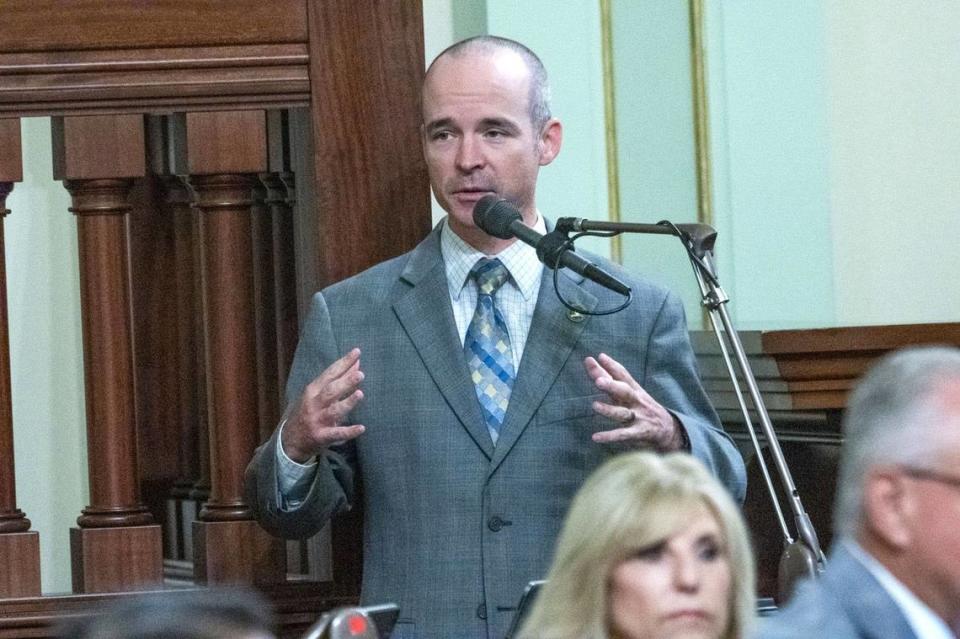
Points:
[(516, 299)]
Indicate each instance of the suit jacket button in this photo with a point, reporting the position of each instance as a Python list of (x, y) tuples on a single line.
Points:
[(482, 611), (495, 524)]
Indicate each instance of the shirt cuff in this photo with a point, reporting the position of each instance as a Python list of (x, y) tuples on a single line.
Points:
[(293, 479), (685, 445)]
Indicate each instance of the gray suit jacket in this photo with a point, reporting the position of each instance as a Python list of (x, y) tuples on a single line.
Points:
[(847, 602), (453, 526)]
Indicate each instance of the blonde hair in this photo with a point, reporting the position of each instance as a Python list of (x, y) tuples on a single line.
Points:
[(633, 501)]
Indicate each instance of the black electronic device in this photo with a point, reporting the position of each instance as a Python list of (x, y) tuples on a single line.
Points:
[(366, 622), (527, 600)]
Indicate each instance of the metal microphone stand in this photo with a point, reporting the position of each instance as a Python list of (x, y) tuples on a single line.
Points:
[(801, 557)]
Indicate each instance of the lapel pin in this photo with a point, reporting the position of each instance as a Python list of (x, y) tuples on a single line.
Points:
[(575, 316)]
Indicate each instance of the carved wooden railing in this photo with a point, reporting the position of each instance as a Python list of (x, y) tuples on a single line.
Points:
[(19, 546), (224, 161), (804, 376)]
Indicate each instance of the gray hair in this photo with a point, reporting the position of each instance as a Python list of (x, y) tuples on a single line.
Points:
[(892, 417), (539, 88)]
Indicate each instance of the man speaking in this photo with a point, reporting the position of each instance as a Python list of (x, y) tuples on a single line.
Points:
[(451, 383)]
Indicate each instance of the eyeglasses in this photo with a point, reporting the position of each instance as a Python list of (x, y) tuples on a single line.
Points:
[(932, 475)]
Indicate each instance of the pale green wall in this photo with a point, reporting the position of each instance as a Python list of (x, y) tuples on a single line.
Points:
[(46, 356), (568, 42), (656, 153), (768, 117), (834, 137), (894, 75)]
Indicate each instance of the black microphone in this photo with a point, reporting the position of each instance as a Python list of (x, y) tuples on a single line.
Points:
[(499, 218)]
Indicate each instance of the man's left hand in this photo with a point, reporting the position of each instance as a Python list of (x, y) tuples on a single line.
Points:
[(645, 422)]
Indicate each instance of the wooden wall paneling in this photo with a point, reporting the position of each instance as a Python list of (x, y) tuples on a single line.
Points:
[(84, 57), (223, 153), (265, 303), (166, 390), (285, 277), (19, 546), (177, 200), (200, 492), (357, 65), (280, 186), (155, 334), (370, 186), (117, 546), (159, 23), (306, 218), (281, 198)]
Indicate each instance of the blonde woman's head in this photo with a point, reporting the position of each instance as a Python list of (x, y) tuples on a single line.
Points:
[(651, 544)]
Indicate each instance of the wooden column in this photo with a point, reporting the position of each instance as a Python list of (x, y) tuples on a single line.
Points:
[(117, 546), (200, 492), (182, 509), (264, 286), (281, 199), (285, 276), (19, 546), (224, 153)]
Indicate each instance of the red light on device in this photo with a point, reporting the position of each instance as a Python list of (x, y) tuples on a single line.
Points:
[(357, 625)]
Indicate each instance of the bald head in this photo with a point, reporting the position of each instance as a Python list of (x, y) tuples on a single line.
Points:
[(491, 46)]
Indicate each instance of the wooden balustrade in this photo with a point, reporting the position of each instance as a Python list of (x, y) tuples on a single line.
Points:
[(228, 544), (19, 546), (179, 387), (285, 274), (265, 309), (181, 508), (117, 545)]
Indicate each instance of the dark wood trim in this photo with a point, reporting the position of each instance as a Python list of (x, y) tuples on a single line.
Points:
[(11, 170), (11, 164), (87, 24), (116, 558), (142, 57), (812, 369), (20, 559), (372, 198)]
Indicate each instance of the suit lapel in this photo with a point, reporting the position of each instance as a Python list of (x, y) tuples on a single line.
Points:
[(426, 316), (552, 337)]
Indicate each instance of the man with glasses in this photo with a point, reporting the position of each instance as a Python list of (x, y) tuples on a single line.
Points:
[(895, 569)]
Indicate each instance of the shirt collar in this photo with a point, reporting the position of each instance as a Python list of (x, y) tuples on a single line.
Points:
[(519, 258), (924, 621)]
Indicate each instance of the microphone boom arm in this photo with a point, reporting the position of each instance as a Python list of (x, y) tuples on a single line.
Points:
[(803, 557)]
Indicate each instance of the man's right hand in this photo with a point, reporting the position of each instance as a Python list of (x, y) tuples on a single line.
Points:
[(315, 424)]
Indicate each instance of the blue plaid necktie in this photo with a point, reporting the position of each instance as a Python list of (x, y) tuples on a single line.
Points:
[(487, 346)]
